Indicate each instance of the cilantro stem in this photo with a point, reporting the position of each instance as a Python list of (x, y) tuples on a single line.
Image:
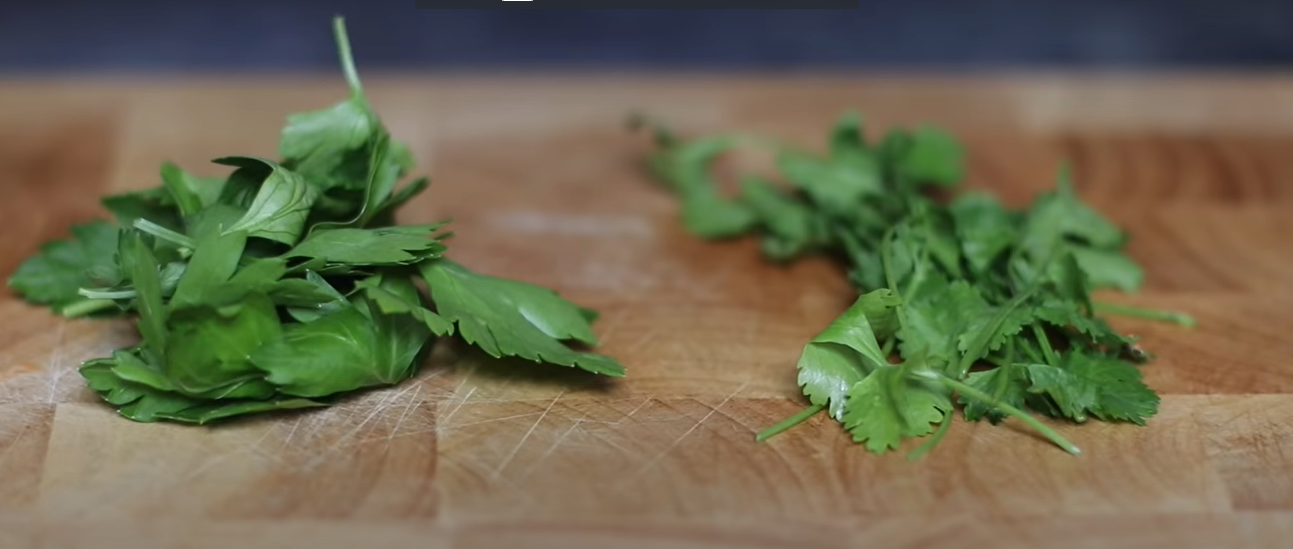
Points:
[(1004, 407), (1044, 341), (934, 439), (181, 240), (789, 422), (347, 60), (1174, 317), (85, 307)]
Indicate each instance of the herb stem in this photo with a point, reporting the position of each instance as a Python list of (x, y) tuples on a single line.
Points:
[(933, 440), (183, 241), (1044, 341), (1174, 317), (1008, 409), (789, 422), (100, 294), (85, 307), (347, 60)]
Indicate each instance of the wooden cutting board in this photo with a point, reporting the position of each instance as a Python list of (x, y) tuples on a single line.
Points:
[(545, 185)]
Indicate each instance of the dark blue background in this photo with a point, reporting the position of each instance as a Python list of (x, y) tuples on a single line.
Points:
[(391, 34)]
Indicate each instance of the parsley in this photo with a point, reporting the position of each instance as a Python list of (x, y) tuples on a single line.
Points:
[(962, 302), (286, 284)]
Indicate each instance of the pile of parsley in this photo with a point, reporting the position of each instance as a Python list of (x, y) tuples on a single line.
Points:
[(287, 284), (963, 301)]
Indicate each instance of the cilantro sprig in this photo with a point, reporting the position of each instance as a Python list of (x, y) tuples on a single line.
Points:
[(963, 302), (287, 283)]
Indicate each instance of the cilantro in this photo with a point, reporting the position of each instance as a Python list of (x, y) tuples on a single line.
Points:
[(286, 283), (962, 301)]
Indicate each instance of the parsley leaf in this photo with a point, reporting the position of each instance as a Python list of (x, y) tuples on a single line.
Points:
[(287, 284), (87, 260), (513, 318), (281, 205)]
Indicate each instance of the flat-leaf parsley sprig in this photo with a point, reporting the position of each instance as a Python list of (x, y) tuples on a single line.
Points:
[(287, 283)]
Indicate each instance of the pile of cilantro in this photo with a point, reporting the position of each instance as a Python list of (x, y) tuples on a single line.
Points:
[(287, 284), (962, 301)]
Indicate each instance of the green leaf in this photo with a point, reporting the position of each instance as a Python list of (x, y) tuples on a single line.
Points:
[(791, 225), (835, 182), (330, 146), (279, 210), (985, 228), (140, 402), (931, 156), (402, 245), (1107, 388), (1109, 269), (397, 294), (888, 406), (190, 193), (214, 260), (513, 318), (1007, 383), (935, 322), (847, 350), (139, 262), (87, 260), (705, 212), (155, 204), (344, 351), (209, 346)]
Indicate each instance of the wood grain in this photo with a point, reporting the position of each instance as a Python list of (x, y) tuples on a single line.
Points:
[(545, 185)]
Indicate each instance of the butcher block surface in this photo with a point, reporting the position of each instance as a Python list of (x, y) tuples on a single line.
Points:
[(545, 184)]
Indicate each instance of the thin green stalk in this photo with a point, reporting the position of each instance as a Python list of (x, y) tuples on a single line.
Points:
[(789, 422), (1161, 315), (1008, 409), (347, 60), (101, 294), (181, 240), (85, 307), (929, 444), (1045, 342)]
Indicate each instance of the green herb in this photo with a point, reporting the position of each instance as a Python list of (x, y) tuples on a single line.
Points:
[(962, 301), (286, 284)]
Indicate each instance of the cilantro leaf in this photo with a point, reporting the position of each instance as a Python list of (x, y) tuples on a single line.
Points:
[(985, 229), (513, 318), (847, 350), (87, 260), (1007, 383), (929, 155), (888, 406), (1106, 388)]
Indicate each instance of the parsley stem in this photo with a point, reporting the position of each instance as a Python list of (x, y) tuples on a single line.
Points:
[(1045, 342), (347, 60), (1174, 317), (789, 422), (85, 307), (181, 240), (1008, 409)]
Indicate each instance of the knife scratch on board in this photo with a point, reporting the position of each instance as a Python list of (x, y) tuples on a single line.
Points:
[(655, 461), (499, 471)]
